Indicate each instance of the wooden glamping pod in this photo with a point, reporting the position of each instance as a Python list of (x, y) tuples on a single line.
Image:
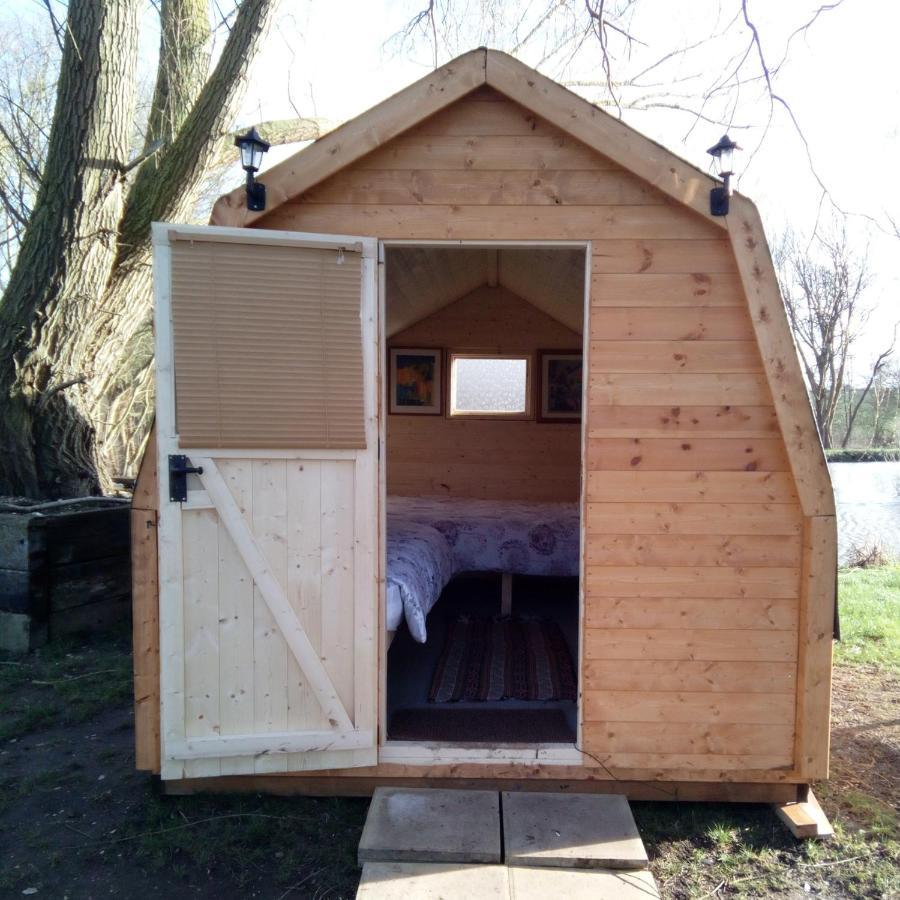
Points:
[(380, 378)]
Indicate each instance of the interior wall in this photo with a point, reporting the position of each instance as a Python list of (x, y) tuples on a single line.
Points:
[(491, 459)]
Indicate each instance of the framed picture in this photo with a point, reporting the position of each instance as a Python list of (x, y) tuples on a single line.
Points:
[(416, 381), (559, 380)]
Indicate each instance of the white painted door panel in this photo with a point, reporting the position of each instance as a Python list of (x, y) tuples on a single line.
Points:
[(268, 579)]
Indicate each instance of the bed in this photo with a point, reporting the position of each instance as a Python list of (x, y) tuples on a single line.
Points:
[(431, 539)]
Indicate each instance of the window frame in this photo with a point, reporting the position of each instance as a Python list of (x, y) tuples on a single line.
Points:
[(453, 413)]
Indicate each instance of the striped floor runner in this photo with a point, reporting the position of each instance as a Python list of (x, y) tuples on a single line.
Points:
[(503, 659)]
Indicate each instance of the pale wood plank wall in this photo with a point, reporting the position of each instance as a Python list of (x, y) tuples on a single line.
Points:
[(693, 525), (240, 675), (489, 459)]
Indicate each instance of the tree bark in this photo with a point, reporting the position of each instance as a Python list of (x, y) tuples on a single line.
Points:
[(77, 352), (122, 396), (66, 257)]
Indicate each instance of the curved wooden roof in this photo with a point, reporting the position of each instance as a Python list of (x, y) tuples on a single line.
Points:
[(625, 146)]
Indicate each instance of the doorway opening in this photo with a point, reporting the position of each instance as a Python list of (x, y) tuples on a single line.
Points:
[(482, 472)]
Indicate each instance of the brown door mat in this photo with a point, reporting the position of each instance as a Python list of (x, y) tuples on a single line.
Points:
[(491, 725)]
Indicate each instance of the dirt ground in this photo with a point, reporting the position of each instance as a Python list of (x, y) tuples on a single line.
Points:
[(865, 734), (76, 820)]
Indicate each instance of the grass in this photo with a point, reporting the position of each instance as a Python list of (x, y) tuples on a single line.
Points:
[(870, 617), (64, 683), (241, 837), (874, 454), (730, 850), (66, 826)]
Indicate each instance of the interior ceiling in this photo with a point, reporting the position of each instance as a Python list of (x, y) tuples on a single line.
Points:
[(422, 280)]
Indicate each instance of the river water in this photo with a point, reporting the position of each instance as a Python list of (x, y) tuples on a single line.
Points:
[(868, 505)]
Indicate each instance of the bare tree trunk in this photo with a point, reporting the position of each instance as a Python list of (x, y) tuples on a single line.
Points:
[(66, 256), (77, 348), (853, 412), (824, 292), (122, 395)]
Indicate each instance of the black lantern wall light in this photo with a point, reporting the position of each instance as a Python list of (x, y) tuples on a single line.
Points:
[(252, 148), (723, 154)]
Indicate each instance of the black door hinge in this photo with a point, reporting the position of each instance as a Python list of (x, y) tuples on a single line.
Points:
[(179, 469)]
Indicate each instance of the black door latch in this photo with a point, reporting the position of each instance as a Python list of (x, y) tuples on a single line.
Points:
[(179, 469)]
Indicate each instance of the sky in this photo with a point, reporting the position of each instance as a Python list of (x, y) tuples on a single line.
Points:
[(841, 79)]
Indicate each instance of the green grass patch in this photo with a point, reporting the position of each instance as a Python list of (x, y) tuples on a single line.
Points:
[(731, 850), (870, 617), (877, 454), (64, 683), (303, 841)]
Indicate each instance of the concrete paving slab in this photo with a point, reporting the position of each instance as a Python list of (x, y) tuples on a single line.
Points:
[(588, 831), (581, 884), (433, 881), (431, 825)]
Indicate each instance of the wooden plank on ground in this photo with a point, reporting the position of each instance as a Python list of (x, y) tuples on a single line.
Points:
[(805, 819)]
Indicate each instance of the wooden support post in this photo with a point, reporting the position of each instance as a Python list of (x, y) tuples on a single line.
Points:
[(805, 819), (506, 594), (145, 612)]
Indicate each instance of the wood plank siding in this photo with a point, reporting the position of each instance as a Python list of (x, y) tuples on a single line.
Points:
[(694, 531)]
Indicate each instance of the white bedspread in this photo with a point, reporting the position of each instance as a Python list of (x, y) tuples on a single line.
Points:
[(431, 539)]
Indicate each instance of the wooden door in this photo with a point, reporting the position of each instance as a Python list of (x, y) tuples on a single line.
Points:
[(266, 347)]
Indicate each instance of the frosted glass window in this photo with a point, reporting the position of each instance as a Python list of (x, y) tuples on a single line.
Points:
[(483, 385)]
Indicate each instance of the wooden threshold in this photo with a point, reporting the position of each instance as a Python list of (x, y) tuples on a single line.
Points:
[(430, 753)]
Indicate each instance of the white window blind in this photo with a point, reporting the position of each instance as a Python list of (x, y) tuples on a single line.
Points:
[(268, 346)]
